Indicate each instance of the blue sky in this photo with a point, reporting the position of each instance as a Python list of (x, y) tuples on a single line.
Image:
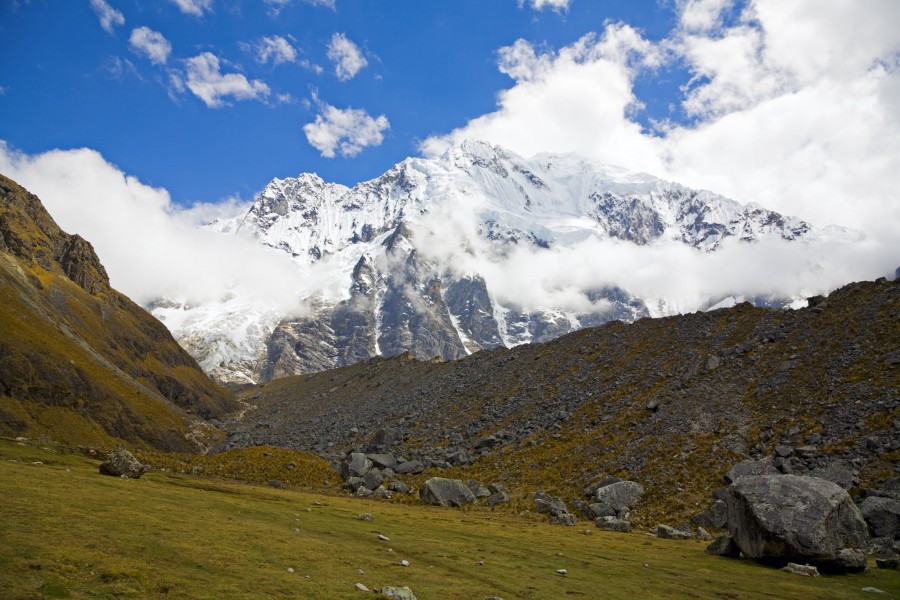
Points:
[(430, 67), (134, 121)]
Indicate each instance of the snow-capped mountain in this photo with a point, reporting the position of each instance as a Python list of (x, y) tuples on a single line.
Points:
[(419, 260)]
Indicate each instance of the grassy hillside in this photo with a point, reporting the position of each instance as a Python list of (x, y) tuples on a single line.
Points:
[(79, 362), (69, 532)]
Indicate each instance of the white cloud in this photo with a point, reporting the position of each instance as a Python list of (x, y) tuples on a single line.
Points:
[(275, 49), (151, 44), (348, 130), (347, 57), (557, 5), (193, 7), (149, 245), (110, 18), (206, 80), (792, 108), (276, 6)]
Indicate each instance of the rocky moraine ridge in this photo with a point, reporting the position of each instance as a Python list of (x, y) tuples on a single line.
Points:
[(672, 404)]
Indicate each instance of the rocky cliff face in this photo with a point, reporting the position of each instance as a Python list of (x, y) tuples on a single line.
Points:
[(80, 362), (415, 256)]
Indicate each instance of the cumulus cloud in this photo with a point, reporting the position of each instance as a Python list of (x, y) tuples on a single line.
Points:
[(151, 44), (275, 49), (347, 57), (193, 7), (276, 6), (110, 18), (788, 107), (557, 5), (346, 130), (206, 80), (150, 245)]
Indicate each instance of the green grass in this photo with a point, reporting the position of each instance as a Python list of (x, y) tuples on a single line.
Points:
[(68, 532)]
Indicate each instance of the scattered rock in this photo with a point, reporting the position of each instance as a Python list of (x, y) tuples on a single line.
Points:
[(365, 517), (620, 497), (361, 588), (562, 571), (290, 569), (670, 533), (358, 465), (497, 498), (888, 563), (403, 593), (550, 505), (613, 524), (446, 492), (750, 467), (404, 563), (564, 519), (122, 463), (807, 570), (873, 590), (702, 534), (479, 490), (399, 487), (410, 467), (383, 538), (383, 461), (790, 517), (882, 515)]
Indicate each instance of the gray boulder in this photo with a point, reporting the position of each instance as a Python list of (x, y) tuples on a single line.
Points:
[(723, 545), (716, 516), (550, 505), (613, 524), (839, 473), (446, 492), (564, 519), (750, 467), (358, 465), (782, 518), (497, 498), (395, 593), (398, 486), (373, 479), (671, 533), (122, 463), (410, 467), (882, 515), (620, 497), (478, 489), (383, 461)]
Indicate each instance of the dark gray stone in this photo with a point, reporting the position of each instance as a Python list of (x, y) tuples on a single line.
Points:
[(621, 496), (882, 515), (410, 467), (358, 465), (613, 524), (446, 492), (478, 489), (716, 516), (564, 519), (122, 463), (670, 533), (550, 505), (723, 545), (373, 479), (383, 461), (497, 498), (781, 518), (751, 466), (839, 473), (398, 486)]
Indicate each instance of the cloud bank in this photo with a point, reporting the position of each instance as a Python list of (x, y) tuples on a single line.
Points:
[(348, 59), (206, 81), (150, 246), (151, 44), (787, 105)]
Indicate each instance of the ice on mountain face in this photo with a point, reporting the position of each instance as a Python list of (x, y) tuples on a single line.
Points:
[(422, 258)]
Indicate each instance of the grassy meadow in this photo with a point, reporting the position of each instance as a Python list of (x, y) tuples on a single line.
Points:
[(68, 532)]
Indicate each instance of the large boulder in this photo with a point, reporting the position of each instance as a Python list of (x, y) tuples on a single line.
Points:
[(882, 515), (792, 518), (617, 498), (550, 505), (716, 516), (446, 492), (122, 463), (358, 465), (749, 468)]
